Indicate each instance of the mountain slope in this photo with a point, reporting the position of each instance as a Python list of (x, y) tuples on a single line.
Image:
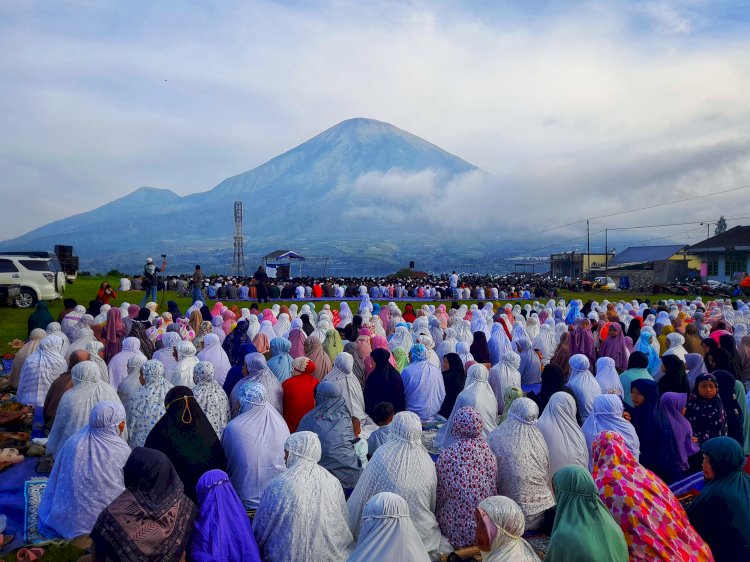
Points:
[(302, 199)]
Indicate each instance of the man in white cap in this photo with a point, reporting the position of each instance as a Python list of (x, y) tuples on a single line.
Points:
[(150, 281)]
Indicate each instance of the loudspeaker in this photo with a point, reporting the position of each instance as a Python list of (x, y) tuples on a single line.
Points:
[(411, 265)]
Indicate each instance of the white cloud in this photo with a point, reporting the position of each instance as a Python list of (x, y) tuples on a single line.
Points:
[(580, 110)]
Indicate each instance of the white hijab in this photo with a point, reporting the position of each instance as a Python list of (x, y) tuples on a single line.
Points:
[(583, 384), (87, 474), (546, 343), (351, 390), (211, 396), (39, 371), (564, 438), (606, 415), (132, 382), (93, 348), (479, 395), (254, 445), (215, 354), (402, 466), (302, 514), (523, 461), (508, 519), (676, 342), (253, 326), (608, 377), (76, 404), (504, 375), (182, 374), (388, 532), (258, 371), (165, 354), (118, 365), (147, 404), (424, 388)]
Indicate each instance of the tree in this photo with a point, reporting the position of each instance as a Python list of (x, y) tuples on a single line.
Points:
[(721, 225)]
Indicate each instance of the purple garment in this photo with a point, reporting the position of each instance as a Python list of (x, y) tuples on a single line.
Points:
[(629, 344), (582, 343), (222, 527), (674, 403), (614, 347)]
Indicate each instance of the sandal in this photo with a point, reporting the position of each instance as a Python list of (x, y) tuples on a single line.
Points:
[(29, 554)]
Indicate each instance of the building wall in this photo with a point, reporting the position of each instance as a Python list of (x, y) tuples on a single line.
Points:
[(722, 269)]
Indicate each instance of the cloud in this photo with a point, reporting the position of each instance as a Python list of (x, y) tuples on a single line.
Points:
[(575, 110)]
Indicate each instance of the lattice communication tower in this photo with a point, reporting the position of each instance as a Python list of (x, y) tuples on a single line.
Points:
[(238, 262)]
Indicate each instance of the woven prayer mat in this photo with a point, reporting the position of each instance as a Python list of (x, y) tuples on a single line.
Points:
[(34, 531)]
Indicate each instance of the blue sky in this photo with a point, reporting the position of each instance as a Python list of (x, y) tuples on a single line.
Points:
[(609, 104)]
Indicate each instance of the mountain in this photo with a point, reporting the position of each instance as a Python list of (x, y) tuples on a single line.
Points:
[(312, 199)]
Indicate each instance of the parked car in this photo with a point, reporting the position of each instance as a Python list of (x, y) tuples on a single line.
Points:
[(36, 275)]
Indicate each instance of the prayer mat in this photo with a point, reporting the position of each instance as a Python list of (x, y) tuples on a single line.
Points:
[(540, 544), (34, 531)]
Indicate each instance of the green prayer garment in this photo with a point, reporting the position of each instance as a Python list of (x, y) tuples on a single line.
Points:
[(584, 530), (721, 512), (739, 390)]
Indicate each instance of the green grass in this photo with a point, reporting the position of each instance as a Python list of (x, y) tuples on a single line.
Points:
[(13, 321)]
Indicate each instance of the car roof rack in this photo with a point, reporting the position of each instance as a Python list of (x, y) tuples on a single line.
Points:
[(36, 254)]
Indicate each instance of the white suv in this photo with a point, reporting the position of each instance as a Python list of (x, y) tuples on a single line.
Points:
[(38, 274)]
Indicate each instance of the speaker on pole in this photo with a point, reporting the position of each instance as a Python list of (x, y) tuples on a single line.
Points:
[(411, 265)]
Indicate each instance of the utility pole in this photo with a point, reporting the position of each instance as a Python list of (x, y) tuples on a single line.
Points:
[(606, 255), (588, 251)]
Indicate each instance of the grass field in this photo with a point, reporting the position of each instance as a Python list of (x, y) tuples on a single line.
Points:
[(13, 321)]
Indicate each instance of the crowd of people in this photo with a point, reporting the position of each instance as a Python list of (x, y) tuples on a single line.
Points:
[(368, 432), (261, 288)]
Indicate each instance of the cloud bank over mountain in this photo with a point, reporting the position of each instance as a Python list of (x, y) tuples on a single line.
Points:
[(575, 108)]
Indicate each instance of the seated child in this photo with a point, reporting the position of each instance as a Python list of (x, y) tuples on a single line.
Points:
[(383, 416), (360, 445)]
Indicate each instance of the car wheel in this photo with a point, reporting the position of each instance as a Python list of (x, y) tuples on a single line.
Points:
[(26, 299)]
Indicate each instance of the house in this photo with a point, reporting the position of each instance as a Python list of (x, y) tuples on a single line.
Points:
[(574, 264), (726, 256), (643, 266)]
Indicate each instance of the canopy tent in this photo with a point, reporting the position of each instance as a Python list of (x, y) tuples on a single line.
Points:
[(278, 264)]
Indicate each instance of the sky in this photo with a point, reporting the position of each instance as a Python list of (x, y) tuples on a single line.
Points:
[(576, 109)]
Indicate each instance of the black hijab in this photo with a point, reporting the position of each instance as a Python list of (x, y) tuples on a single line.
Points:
[(186, 436), (307, 327), (206, 313), (479, 349), (651, 423), (454, 379), (384, 384), (721, 361), (234, 375), (675, 378), (553, 381), (174, 310), (95, 307), (727, 343), (234, 341), (152, 519), (634, 330)]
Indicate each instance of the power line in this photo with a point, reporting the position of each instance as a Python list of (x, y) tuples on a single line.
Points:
[(692, 198), (674, 202)]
